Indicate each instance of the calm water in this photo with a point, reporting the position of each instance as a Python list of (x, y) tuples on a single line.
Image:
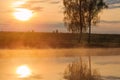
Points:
[(51, 67)]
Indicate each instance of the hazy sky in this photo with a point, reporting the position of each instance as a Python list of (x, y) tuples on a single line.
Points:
[(47, 15)]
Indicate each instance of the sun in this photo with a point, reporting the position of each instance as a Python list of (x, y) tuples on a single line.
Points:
[(23, 71), (23, 14)]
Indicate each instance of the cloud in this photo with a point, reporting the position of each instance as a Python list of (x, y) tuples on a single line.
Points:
[(6, 11), (112, 4), (37, 1), (110, 78), (35, 76), (113, 7), (104, 21), (106, 63), (32, 5), (34, 9), (55, 2), (109, 2), (4, 25)]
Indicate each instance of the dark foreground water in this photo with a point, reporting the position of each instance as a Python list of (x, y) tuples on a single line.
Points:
[(51, 67)]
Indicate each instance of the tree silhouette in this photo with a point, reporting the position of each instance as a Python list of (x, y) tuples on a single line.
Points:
[(79, 15), (93, 9), (75, 16)]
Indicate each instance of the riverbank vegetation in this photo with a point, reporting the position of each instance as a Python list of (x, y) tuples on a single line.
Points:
[(13, 40)]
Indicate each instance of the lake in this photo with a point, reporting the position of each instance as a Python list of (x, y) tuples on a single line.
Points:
[(49, 64)]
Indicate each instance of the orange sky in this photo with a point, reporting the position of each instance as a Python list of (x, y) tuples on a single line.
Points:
[(48, 16)]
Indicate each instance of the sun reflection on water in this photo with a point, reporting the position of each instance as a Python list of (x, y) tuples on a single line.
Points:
[(23, 71)]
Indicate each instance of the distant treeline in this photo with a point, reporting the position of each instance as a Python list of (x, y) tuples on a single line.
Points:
[(14, 40)]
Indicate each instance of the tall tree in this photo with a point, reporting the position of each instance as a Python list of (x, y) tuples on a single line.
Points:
[(81, 14), (93, 9), (74, 16)]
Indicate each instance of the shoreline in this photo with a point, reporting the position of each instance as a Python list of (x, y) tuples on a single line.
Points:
[(40, 53), (29, 40)]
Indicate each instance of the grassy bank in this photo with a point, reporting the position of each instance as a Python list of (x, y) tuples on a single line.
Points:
[(55, 40)]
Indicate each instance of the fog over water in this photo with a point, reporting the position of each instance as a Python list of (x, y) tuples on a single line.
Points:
[(49, 64)]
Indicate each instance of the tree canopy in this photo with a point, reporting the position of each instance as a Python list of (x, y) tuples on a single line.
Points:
[(74, 15), (79, 15)]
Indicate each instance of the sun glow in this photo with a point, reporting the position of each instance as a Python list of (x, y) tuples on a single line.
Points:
[(23, 71), (23, 14), (18, 3)]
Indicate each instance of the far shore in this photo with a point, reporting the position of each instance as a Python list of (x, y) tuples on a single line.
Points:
[(46, 40)]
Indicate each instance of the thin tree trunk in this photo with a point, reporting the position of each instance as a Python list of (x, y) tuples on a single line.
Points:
[(89, 25), (80, 14), (80, 36), (89, 34)]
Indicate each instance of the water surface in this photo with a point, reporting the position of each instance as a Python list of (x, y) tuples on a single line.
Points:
[(50, 64)]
